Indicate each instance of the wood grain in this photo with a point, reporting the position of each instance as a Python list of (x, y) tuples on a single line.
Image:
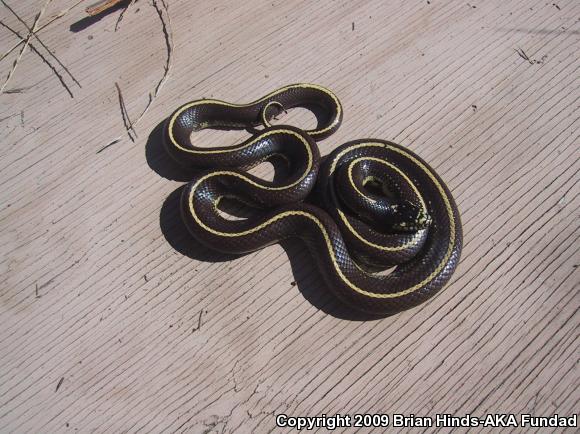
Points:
[(113, 319)]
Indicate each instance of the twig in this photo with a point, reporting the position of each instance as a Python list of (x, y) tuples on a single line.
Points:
[(15, 90), (33, 48), (108, 146), (524, 56), (101, 6), (44, 26), (168, 35), (125, 115), (34, 33), (198, 322), (163, 14), (23, 49), (122, 14)]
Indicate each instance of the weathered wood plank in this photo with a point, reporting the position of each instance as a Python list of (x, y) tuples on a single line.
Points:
[(114, 319)]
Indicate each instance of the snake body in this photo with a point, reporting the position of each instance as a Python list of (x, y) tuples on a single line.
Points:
[(376, 204)]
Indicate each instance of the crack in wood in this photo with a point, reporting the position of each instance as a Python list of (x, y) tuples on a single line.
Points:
[(9, 117)]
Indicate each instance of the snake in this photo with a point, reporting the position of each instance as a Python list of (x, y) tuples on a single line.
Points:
[(379, 222)]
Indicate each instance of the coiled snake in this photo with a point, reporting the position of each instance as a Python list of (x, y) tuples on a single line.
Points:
[(377, 203)]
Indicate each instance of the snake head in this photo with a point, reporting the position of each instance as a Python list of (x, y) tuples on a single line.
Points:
[(409, 217)]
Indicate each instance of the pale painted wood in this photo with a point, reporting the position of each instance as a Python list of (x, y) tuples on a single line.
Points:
[(106, 299)]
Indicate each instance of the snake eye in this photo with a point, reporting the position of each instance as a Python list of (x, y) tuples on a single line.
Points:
[(409, 217)]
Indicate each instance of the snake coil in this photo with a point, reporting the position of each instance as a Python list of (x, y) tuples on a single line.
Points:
[(377, 203)]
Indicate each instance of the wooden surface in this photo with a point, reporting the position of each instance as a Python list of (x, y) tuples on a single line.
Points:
[(113, 319)]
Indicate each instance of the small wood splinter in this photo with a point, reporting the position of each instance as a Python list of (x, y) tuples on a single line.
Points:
[(101, 6)]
